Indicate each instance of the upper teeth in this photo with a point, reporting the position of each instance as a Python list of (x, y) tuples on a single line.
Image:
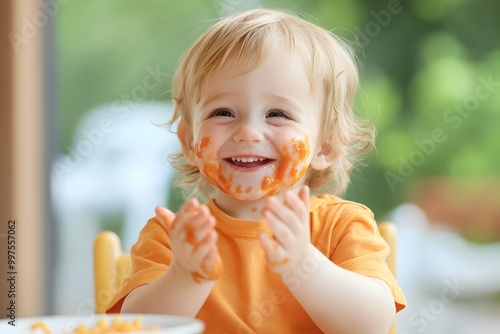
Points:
[(247, 159)]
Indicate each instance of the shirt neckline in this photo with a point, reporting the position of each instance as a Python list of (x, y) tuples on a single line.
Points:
[(247, 228)]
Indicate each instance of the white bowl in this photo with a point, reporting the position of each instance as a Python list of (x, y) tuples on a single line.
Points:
[(66, 324)]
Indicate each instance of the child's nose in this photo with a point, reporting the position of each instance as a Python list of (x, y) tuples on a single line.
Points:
[(248, 132)]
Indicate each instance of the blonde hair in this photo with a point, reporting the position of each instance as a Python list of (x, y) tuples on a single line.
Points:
[(251, 36)]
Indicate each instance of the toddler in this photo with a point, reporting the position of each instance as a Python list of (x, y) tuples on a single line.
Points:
[(263, 103)]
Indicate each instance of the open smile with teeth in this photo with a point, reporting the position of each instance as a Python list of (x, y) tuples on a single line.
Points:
[(248, 162)]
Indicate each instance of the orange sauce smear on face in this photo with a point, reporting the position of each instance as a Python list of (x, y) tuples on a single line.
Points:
[(300, 152), (201, 145), (213, 173), (211, 169)]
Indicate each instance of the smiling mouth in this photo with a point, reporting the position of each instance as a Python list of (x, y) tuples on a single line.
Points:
[(248, 162)]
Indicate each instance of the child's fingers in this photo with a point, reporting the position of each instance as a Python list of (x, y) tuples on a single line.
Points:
[(199, 225), (165, 216), (276, 256), (201, 249), (304, 196), (299, 216), (280, 229), (212, 264), (196, 233), (200, 234), (200, 252), (211, 257), (191, 257), (207, 260), (267, 243), (184, 213), (201, 217), (197, 257), (282, 211), (295, 203), (207, 252)]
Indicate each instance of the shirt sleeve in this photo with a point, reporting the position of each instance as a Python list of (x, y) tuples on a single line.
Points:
[(151, 255)]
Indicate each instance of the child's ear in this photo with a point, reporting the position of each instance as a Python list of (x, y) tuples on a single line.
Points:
[(324, 157), (185, 135)]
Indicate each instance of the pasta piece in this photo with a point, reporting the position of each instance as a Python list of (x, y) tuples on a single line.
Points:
[(102, 327)]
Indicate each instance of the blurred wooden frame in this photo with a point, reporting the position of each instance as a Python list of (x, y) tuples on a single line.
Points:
[(111, 265)]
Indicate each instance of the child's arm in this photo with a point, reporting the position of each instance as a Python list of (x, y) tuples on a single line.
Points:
[(342, 301), (337, 300), (173, 293), (186, 284)]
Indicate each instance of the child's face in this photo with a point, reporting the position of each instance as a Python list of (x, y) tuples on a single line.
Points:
[(256, 134)]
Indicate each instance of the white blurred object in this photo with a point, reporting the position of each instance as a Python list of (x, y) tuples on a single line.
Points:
[(447, 280), (429, 254), (117, 167)]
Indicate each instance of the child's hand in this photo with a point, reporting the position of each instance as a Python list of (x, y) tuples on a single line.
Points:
[(289, 222), (193, 239)]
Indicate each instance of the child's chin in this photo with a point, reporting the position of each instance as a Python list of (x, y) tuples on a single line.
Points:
[(252, 196), (247, 197)]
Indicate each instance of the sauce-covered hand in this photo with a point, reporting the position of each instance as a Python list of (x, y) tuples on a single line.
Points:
[(289, 221), (193, 239)]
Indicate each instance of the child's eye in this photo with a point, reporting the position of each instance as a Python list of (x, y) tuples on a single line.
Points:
[(222, 112), (277, 113)]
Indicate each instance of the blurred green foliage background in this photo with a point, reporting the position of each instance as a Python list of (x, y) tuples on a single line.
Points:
[(426, 66)]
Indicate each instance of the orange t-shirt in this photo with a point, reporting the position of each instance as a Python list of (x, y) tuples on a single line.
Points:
[(249, 297)]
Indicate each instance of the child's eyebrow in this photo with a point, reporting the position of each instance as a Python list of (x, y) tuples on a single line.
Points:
[(288, 103), (213, 98)]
